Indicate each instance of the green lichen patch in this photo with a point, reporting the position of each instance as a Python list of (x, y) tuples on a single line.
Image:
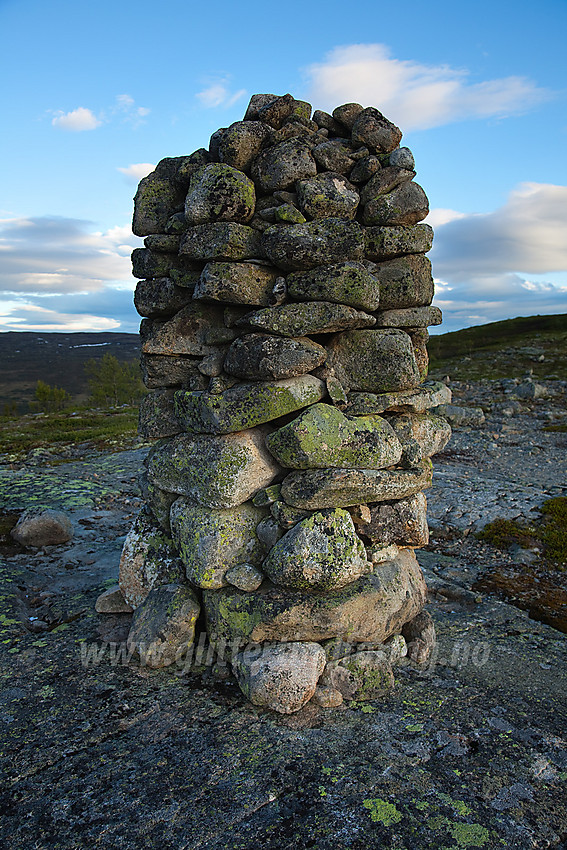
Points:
[(381, 811)]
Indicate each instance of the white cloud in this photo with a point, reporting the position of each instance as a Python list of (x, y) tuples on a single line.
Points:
[(219, 94), (137, 170), (77, 120), (488, 264), (51, 255), (413, 95)]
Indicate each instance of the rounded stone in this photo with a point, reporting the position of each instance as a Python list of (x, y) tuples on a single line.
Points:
[(321, 552), (218, 192), (328, 195), (263, 357), (282, 677), (39, 527)]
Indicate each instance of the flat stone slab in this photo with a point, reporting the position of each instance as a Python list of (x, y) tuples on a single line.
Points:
[(377, 361), (304, 246), (367, 610), (215, 471), (385, 243), (323, 437), (263, 357), (310, 317), (211, 542), (322, 552), (348, 283), (333, 488), (410, 317), (420, 400), (246, 405)]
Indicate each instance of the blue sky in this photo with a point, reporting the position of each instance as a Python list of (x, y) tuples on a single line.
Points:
[(94, 95)]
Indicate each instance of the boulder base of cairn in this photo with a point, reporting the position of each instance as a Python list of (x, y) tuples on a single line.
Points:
[(286, 296)]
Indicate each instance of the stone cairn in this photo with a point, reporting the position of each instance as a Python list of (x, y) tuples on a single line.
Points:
[(286, 296)]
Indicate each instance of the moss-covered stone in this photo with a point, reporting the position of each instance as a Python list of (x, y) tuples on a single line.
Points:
[(246, 405), (210, 542), (156, 415), (403, 522), (322, 437), (304, 246), (407, 204), (221, 241), (410, 317), (429, 431), (362, 676), (283, 677), (270, 358), (280, 166), (237, 283), (163, 627), (157, 199), (373, 129), (376, 361), (310, 317), (148, 559), (160, 297), (386, 243), (196, 330), (348, 283), (327, 195), (321, 552), (385, 180), (217, 472), (162, 370), (242, 142), (429, 394)]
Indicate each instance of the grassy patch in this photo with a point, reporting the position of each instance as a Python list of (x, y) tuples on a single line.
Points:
[(550, 532), (537, 343), (104, 428)]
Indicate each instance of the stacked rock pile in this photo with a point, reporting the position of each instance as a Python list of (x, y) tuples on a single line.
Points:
[(286, 296)]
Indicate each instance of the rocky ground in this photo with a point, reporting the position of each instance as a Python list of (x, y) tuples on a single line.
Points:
[(469, 752)]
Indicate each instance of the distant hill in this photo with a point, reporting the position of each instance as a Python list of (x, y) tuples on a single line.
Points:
[(58, 359), (505, 349)]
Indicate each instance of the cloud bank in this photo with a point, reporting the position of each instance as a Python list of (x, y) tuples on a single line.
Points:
[(136, 171), (489, 267), (413, 95), (59, 274)]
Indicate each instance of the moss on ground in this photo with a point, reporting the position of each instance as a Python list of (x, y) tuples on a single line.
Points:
[(550, 531)]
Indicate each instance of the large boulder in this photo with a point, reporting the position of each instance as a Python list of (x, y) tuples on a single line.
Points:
[(367, 610), (196, 330), (237, 283), (327, 195), (281, 165)]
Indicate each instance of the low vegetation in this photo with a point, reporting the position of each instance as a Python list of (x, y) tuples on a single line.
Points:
[(503, 350), (110, 430), (549, 533)]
